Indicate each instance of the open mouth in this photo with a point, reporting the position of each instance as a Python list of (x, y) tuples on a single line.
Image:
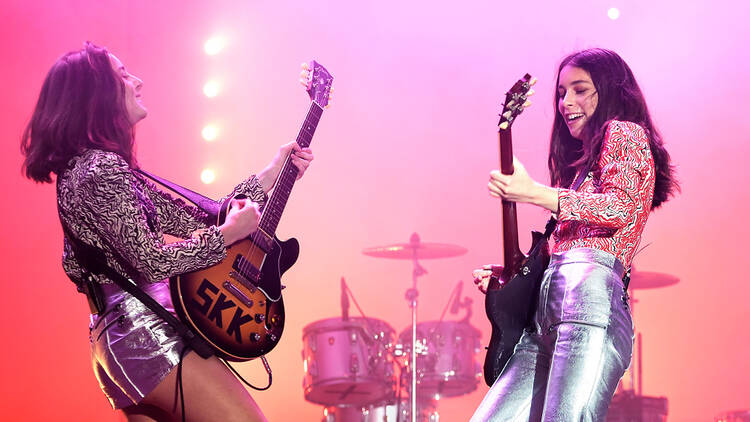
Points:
[(574, 116)]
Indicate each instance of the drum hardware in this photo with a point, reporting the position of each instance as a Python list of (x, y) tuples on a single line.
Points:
[(626, 400), (414, 250), (733, 416), (397, 411), (629, 407), (350, 362)]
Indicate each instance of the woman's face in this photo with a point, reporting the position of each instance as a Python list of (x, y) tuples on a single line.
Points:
[(136, 110), (577, 98)]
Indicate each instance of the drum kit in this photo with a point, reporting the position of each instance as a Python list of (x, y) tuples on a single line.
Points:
[(360, 371)]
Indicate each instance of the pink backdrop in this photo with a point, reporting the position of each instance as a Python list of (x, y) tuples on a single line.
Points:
[(406, 147)]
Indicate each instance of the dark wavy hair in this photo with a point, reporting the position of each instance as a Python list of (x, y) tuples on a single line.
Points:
[(619, 98), (81, 105)]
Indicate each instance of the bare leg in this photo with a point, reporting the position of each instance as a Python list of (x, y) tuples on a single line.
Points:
[(211, 391)]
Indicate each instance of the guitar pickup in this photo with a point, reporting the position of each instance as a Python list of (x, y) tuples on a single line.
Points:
[(262, 240), (246, 269), (243, 280)]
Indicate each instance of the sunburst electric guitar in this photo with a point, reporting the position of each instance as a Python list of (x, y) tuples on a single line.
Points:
[(236, 305)]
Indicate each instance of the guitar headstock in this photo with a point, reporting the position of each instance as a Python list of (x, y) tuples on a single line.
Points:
[(516, 101), (318, 82)]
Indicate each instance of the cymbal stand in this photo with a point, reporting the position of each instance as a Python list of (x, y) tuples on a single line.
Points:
[(411, 297), (637, 356)]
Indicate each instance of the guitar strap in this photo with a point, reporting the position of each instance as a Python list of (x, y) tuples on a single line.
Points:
[(207, 205), (550, 227)]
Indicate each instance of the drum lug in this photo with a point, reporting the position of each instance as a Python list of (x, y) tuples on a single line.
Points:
[(354, 364)]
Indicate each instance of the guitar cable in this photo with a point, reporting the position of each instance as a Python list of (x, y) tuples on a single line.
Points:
[(265, 365)]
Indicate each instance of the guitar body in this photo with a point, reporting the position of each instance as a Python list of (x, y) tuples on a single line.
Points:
[(236, 305), (510, 308)]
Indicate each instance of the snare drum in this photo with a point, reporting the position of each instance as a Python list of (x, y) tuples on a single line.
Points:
[(446, 351), (348, 362)]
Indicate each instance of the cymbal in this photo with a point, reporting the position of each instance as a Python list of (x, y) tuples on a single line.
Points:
[(422, 250), (651, 280)]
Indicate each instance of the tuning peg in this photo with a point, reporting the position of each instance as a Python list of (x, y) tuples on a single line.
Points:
[(530, 93), (527, 103), (506, 114), (510, 103), (532, 81), (304, 82), (305, 66), (504, 125), (304, 74)]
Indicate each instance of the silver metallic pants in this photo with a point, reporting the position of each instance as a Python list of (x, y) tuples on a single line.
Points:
[(569, 367), (132, 349)]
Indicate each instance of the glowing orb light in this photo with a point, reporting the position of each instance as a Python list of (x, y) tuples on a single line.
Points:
[(214, 45), (613, 13), (208, 176), (211, 89), (210, 132)]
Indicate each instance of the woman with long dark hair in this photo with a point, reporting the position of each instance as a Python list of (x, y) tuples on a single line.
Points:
[(82, 131), (567, 366)]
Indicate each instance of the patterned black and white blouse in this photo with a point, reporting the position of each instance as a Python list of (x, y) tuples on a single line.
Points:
[(108, 205)]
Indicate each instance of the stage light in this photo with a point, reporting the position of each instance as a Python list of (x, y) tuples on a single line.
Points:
[(211, 89), (214, 45), (210, 132), (613, 13), (208, 176)]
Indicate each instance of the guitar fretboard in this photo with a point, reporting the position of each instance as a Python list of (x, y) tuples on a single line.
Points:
[(273, 209)]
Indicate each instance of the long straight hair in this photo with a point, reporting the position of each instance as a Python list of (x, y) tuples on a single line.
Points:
[(619, 98), (81, 105)]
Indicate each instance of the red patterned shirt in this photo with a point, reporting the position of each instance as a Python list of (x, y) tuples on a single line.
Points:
[(610, 209)]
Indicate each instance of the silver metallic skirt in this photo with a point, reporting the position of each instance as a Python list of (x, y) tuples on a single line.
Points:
[(132, 349), (568, 367)]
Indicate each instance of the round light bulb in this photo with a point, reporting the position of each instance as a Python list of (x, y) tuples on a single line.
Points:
[(211, 89), (208, 176), (214, 45), (210, 132)]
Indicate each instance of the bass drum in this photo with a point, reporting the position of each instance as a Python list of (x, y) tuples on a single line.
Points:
[(446, 351), (348, 362)]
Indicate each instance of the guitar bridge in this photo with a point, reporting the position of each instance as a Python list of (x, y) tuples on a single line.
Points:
[(238, 294)]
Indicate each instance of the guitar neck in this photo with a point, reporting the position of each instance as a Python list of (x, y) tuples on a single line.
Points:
[(275, 205), (512, 255)]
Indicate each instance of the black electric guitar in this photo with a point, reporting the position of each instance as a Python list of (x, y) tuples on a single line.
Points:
[(236, 305), (511, 292)]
